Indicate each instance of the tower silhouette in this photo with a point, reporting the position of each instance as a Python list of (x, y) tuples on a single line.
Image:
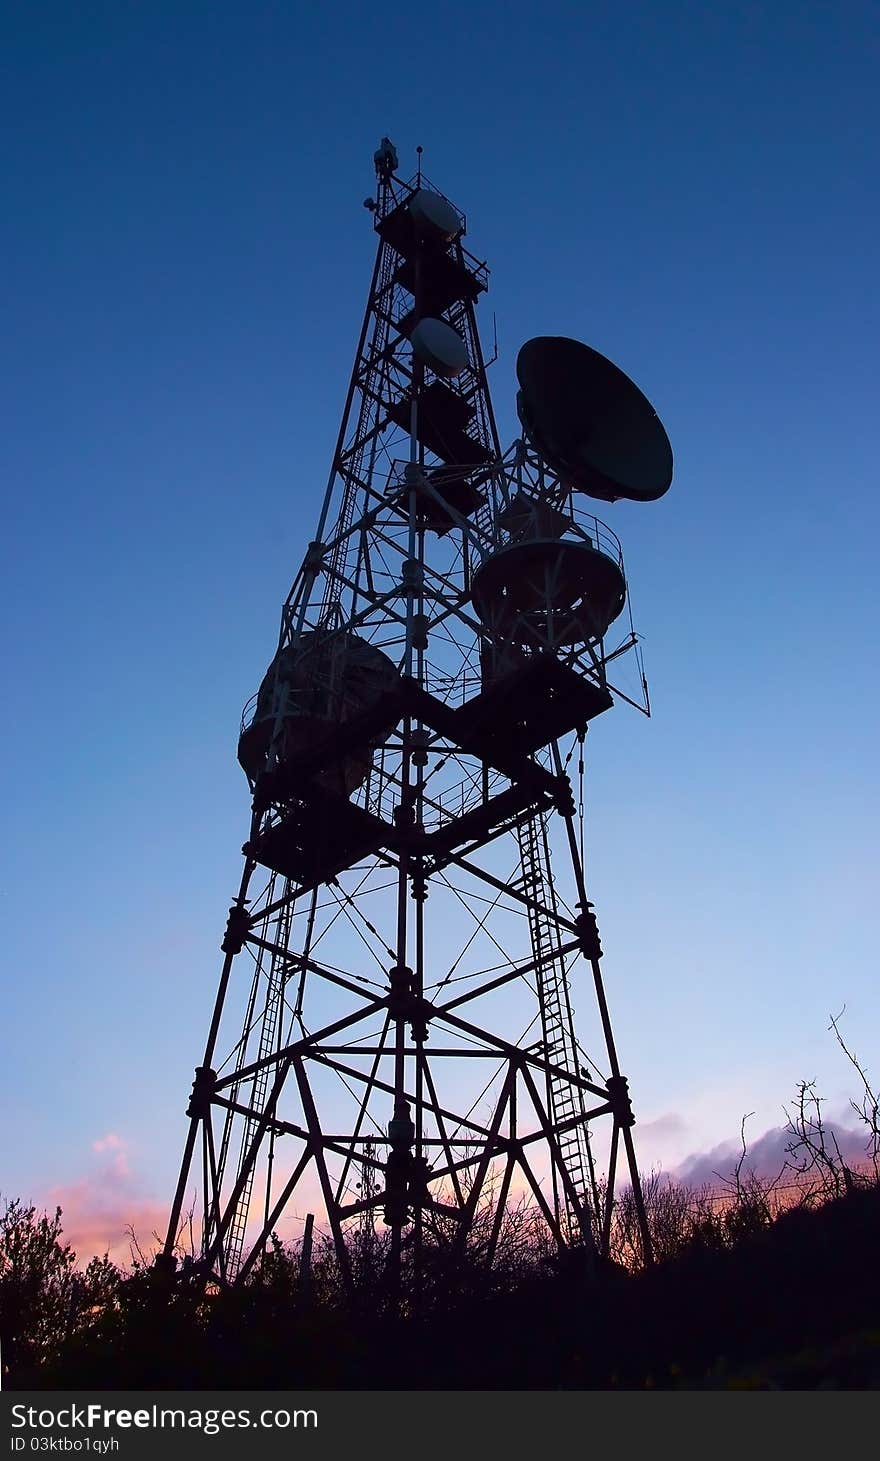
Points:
[(393, 1038)]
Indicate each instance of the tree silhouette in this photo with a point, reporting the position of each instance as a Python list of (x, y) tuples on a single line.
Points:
[(45, 1301)]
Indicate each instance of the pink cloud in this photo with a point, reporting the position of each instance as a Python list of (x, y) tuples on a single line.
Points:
[(670, 1124), (98, 1209), (661, 1142), (109, 1143)]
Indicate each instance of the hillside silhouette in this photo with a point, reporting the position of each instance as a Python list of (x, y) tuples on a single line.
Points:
[(744, 1294)]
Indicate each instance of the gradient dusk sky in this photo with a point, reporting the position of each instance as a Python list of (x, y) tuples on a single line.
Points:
[(691, 188)]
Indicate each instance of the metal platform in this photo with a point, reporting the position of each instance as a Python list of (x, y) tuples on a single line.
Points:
[(442, 418), (459, 488), (318, 836), (529, 707)]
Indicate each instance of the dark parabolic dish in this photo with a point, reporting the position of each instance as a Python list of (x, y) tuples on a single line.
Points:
[(590, 422)]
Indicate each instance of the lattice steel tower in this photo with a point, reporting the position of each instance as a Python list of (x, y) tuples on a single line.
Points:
[(393, 1034)]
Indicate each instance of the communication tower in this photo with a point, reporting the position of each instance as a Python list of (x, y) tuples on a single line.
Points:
[(393, 1036)]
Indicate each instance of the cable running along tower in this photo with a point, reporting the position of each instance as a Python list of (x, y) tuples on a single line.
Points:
[(393, 1036)]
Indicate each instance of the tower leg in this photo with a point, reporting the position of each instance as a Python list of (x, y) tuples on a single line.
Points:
[(232, 944)]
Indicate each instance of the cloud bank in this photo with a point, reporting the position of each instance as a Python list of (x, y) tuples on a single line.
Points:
[(766, 1155)]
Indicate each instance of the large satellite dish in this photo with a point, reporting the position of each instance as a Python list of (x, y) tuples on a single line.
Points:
[(590, 422)]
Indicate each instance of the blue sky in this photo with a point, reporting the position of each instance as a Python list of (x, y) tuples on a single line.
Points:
[(692, 190)]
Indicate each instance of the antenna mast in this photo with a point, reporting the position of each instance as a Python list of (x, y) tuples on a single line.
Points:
[(393, 1039)]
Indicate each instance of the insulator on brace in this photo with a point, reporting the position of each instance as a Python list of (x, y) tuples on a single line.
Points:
[(588, 933), (420, 1012), (401, 1132), (563, 798), (397, 1170), (420, 631), (419, 743), (400, 992), (202, 1091), (237, 926), (619, 1097), (411, 575)]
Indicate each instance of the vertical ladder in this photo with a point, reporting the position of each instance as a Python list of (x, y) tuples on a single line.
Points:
[(276, 980), (565, 1100)]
